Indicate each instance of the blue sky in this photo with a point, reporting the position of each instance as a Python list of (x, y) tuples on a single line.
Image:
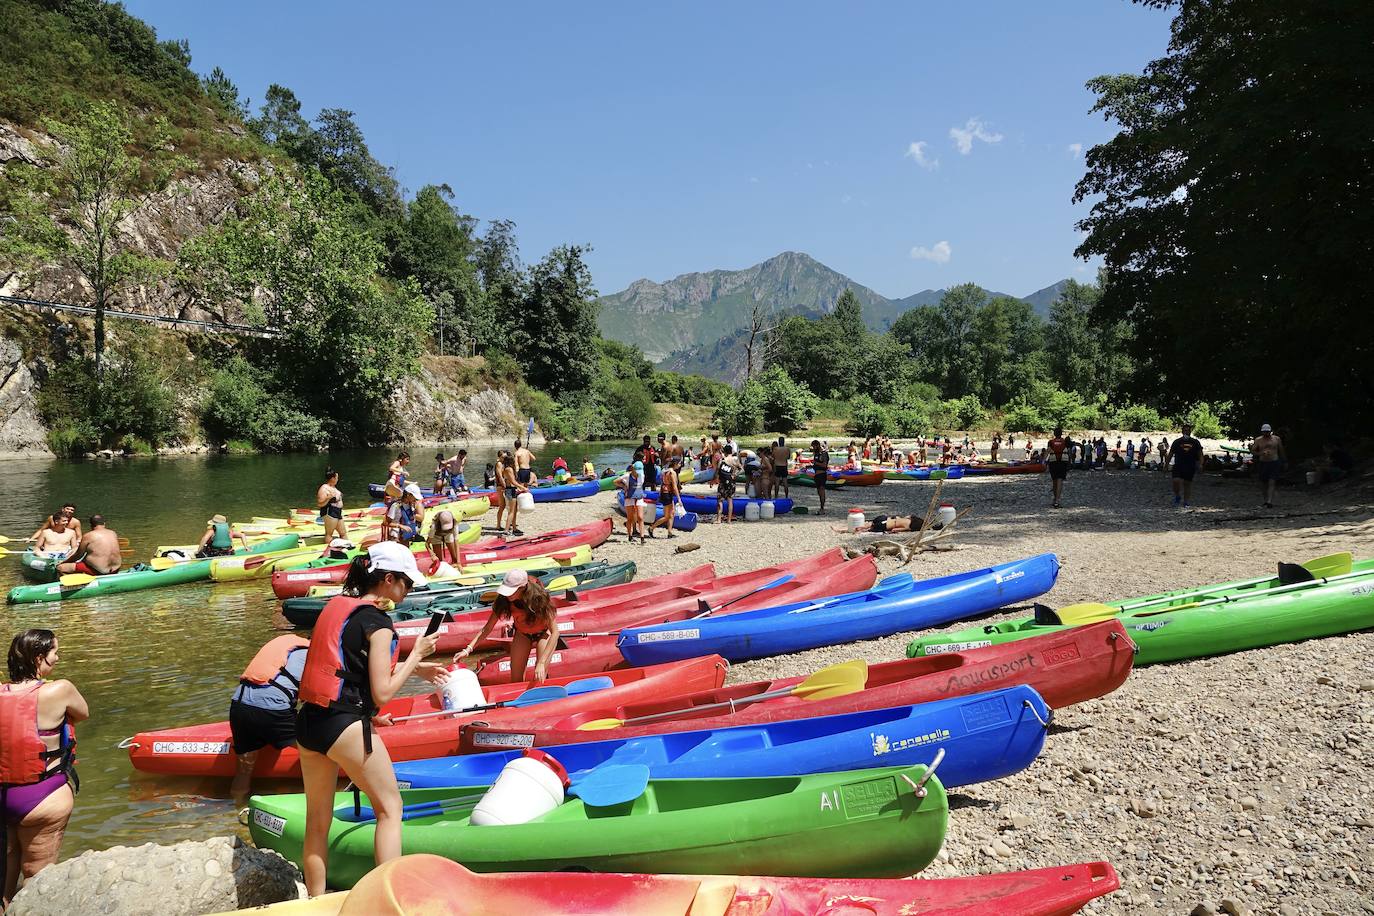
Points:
[(693, 136)]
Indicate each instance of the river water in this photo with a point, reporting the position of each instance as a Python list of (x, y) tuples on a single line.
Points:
[(172, 656)]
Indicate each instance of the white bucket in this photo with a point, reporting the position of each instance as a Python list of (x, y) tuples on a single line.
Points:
[(528, 787), (525, 502), (854, 520), (766, 510), (751, 512), (749, 492), (1313, 478), (462, 690), (946, 514)]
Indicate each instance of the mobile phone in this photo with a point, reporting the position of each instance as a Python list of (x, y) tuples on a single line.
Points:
[(434, 620)]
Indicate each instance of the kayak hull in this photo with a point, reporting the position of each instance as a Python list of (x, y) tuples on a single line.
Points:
[(1064, 668), (203, 750), (706, 505), (851, 824), (985, 736), (880, 612), (987, 470), (684, 522)]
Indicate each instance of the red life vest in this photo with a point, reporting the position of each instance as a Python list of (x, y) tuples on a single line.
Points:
[(23, 755), (269, 666), (324, 676)]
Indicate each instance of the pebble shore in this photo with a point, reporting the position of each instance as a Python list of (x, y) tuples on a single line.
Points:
[(1239, 784)]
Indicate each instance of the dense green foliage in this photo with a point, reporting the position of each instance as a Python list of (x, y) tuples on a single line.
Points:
[(769, 401), (1231, 209)]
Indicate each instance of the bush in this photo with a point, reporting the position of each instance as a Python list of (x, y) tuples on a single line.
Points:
[(908, 421), (240, 408), (739, 413), (867, 418), (1205, 419), (786, 405), (1023, 418), (1139, 417), (131, 401), (628, 409), (967, 412)]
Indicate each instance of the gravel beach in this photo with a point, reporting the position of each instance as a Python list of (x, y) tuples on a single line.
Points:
[(1227, 785)]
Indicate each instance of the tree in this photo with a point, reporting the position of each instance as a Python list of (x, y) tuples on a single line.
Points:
[(346, 335), (955, 353), (280, 124), (1007, 335), (557, 343), (760, 331), (849, 316), (225, 94), (434, 245), (341, 153), (96, 186), (1228, 210), (784, 404), (1083, 353), (503, 277)]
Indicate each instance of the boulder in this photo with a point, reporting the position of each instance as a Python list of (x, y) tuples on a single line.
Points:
[(22, 433)]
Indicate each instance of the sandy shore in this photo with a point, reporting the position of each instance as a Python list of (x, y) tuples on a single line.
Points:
[(1251, 773)]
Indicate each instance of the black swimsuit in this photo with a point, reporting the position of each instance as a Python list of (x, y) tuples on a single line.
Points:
[(318, 728)]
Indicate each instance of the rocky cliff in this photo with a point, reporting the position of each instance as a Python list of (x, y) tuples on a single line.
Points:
[(22, 434)]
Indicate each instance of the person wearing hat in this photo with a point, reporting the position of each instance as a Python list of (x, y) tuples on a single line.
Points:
[(443, 538), (523, 600), (406, 516), (632, 483), (218, 540), (1269, 458), (351, 671)]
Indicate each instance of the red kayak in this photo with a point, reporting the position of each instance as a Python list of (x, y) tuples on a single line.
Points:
[(296, 583), (423, 883), (203, 750), (594, 652), (1067, 667), (608, 610)]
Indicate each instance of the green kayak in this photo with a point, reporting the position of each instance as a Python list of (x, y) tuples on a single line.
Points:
[(1212, 620), (136, 578), (36, 568), (421, 602), (864, 823)]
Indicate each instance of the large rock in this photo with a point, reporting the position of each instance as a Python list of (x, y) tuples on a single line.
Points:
[(213, 876), (22, 433), (427, 413)]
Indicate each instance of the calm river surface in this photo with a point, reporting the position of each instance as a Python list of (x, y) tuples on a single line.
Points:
[(172, 656)]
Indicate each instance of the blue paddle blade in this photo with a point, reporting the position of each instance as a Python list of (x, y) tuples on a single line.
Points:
[(612, 785), (539, 695), (776, 582), (894, 582), (589, 684)]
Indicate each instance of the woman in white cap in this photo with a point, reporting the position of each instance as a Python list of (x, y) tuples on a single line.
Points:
[(406, 516), (534, 619), (350, 672)]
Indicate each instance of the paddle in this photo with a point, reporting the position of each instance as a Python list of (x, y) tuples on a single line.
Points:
[(72, 580), (833, 681), (890, 584), (1319, 567), (528, 698), (602, 787), (1077, 614), (705, 610)]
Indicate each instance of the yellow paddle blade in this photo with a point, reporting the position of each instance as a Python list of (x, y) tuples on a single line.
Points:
[(1090, 612), (562, 583), (834, 681), (167, 562), (76, 579), (4, 540), (4, 552), (1336, 564), (597, 725)]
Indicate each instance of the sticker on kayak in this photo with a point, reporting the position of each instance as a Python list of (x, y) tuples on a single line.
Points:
[(310, 577), (469, 557), (269, 822), (938, 648), (190, 747), (667, 635), (999, 578), (882, 744), (504, 664), (485, 739), (867, 798)]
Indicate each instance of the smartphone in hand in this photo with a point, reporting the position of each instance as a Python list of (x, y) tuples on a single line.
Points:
[(434, 620)]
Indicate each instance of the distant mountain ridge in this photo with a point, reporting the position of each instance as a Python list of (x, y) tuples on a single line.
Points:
[(697, 322)]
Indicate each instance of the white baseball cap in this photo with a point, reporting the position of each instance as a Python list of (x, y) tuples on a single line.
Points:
[(444, 521), (397, 558), (514, 580), (1266, 428), (413, 489), (341, 544)]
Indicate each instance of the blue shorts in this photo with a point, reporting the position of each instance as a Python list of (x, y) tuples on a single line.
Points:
[(458, 482)]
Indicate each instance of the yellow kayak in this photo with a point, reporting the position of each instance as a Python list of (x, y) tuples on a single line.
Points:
[(571, 557), (260, 525), (253, 566)]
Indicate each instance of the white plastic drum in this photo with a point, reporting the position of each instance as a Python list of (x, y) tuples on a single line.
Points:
[(462, 690), (751, 512), (766, 510), (854, 520), (525, 502), (529, 787)]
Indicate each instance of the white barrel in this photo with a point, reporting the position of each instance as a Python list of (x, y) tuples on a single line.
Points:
[(461, 690), (766, 509), (751, 512), (854, 520), (528, 787), (946, 514), (525, 501), (749, 492)]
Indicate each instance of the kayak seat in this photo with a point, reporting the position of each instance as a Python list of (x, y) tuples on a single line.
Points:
[(735, 741), (634, 751)]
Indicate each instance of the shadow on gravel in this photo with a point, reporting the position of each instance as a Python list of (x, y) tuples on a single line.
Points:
[(965, 801), (1057, 729)]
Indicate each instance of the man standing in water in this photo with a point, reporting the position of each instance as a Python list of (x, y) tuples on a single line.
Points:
[(1186, 454), (1057, 450), (1269, 458), (98, 552)]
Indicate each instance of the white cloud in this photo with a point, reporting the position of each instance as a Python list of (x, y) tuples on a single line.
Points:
[(975, 129), (1075, 150), (919, 152), (939, 253)]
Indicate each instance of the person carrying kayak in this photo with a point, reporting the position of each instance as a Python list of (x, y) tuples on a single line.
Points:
[(534, 621), (263, 710), (329, 500), (55, 539), (97, 554), (218, 540), (38, 781), (406, 516), (351, 670)]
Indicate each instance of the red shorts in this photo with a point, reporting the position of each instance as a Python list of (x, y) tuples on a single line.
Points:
[(81, 567)]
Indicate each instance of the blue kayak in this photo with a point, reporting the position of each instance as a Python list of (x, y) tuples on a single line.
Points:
[(706, 505), (953, 472), (984, 736), (896, 604), (687, 522)]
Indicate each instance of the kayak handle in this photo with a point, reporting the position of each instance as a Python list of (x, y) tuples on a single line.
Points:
[(126, 744), (243, 816), (1035, 712), (919, 788)]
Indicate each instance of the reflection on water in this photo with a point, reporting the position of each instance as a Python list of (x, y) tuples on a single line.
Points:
[(172, 656)]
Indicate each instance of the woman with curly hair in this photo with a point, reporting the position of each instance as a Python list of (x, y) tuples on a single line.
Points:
[(526, 604)]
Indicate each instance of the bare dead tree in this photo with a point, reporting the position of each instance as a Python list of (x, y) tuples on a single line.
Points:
[(762, 324)]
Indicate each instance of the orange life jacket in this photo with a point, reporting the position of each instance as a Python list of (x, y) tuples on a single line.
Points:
[(269, 665), (324, 676), (23, 755)]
